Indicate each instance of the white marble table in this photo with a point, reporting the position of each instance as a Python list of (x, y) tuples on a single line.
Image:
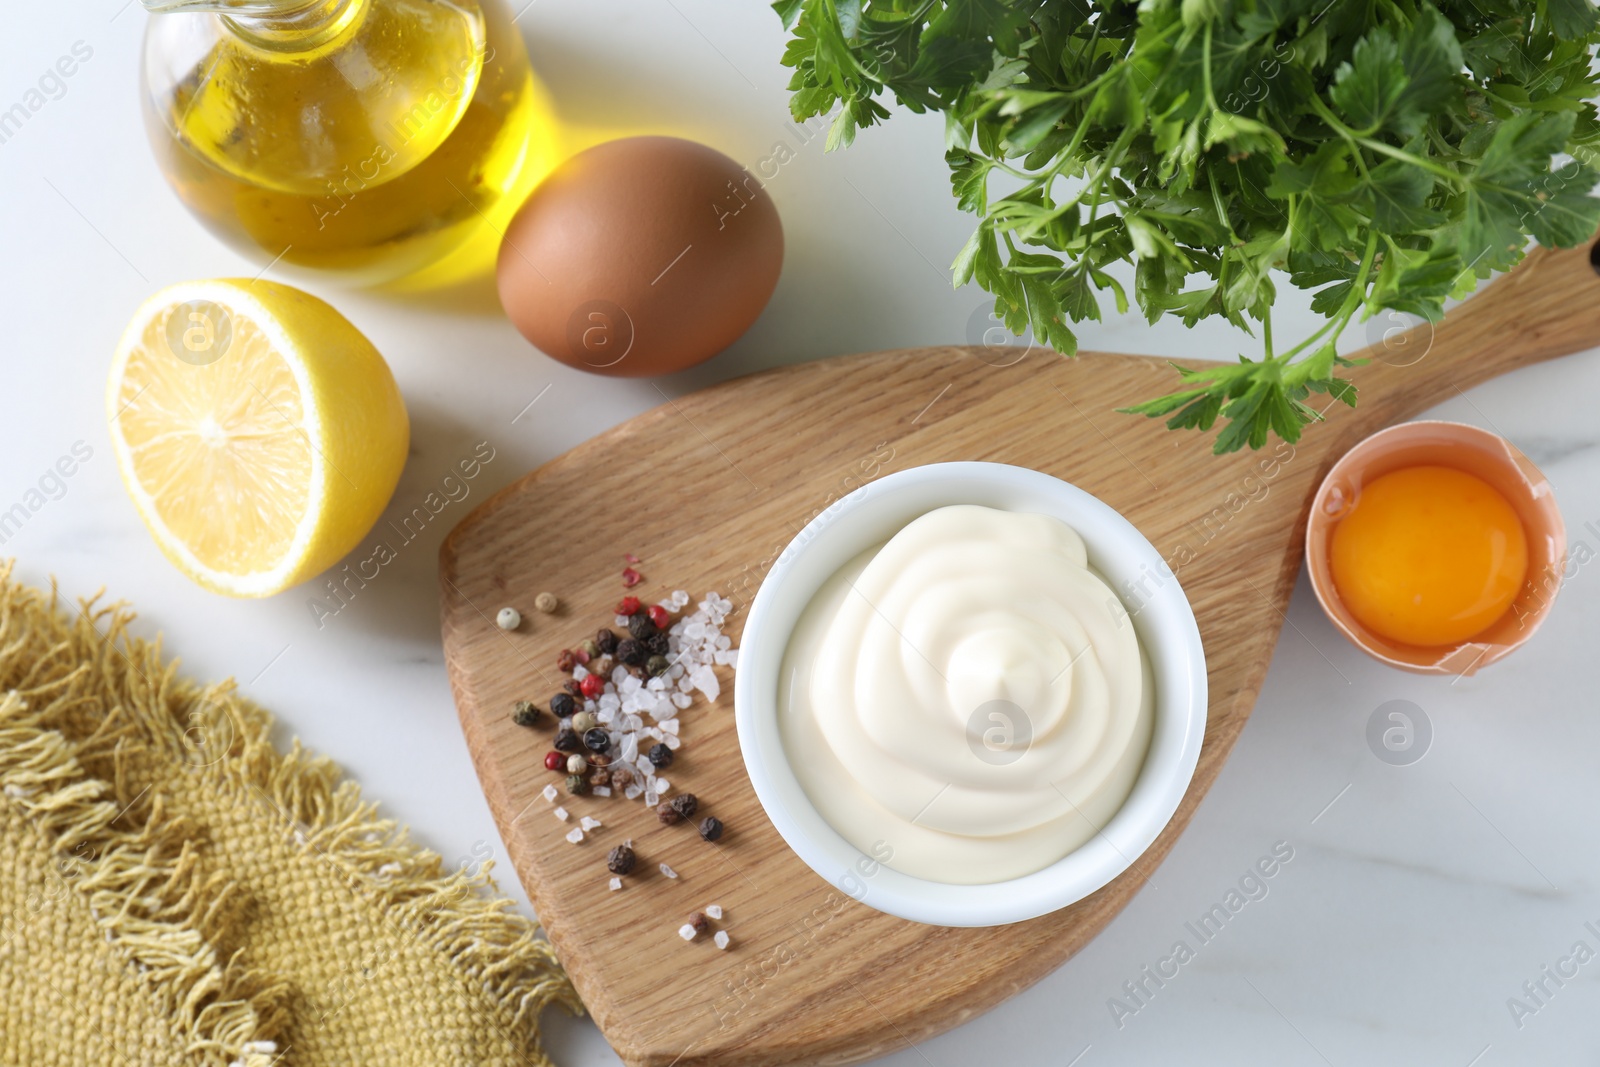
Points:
[(1419, 898)]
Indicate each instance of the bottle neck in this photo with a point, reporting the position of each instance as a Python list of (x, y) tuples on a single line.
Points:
[(278, 25)]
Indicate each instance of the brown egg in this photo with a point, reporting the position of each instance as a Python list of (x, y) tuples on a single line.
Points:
[(641, 256)]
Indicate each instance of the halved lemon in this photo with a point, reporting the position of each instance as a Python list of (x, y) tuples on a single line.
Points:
[(258, 432)]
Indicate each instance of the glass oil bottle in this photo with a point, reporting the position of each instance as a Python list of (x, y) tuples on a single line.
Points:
[(368, 138)]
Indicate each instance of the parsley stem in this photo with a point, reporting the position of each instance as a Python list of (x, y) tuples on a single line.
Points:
[(1352, 300), (1416, 161)]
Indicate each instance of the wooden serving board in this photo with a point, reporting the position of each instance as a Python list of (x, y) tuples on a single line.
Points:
[(708, 488)]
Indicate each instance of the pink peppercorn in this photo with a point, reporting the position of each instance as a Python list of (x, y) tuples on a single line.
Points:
[(631, 577), (628, 605), (592, 685), (659, 616), (554, 761)]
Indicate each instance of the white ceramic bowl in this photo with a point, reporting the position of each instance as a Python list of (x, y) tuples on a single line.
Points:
[(1162, 618)]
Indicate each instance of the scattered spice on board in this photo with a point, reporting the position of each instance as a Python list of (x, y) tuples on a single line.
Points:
[(621, 859), (618, 713)]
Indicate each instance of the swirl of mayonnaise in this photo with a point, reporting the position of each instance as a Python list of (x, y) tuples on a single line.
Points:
[(970, 694)]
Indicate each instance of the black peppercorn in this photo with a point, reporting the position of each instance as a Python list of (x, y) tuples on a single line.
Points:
[(567, 740), (631, 652), (656, 666), (525, 713), (563, 705), (596, 740), (656, 644), (576, 784), (710, 828), (620, 860), (660, 755), (685, 804), (667, 813), (605, 641), (641, 627)]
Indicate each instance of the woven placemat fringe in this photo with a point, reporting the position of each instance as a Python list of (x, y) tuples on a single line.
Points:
[(86, 703)]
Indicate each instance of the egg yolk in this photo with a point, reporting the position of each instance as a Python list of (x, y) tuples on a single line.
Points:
[(1429, 556)]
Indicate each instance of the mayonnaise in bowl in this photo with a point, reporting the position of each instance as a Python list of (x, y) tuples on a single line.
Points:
[(971, 692)]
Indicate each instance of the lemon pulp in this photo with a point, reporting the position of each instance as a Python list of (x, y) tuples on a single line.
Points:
[(263, 453)]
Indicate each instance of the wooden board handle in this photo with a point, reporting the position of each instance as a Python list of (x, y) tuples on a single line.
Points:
[(1547, 306)]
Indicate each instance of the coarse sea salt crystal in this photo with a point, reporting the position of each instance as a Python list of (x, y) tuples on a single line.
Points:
[(630, 748), (681, 700), (618, 673), (550, 793), (620, 620), (601, 790), (588, 822), (575, 835), (605, 715), (651, 799), (669, 725), (705, 680), (633, 791), (662, 785), (668, 871), (656, 684), (724, 642), (713, 911), (672, 742), (561, 813), (721, 939), (686, 932), (616, 884)]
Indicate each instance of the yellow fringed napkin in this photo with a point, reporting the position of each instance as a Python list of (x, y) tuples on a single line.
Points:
[(175, 890)]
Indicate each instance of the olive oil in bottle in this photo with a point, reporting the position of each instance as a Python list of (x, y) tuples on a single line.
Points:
[(363, 137)]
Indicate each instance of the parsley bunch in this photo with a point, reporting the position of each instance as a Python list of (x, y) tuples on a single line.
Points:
[(1387, 153)]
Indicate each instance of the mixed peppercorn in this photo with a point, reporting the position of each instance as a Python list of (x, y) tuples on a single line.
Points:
[(601, 745)]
